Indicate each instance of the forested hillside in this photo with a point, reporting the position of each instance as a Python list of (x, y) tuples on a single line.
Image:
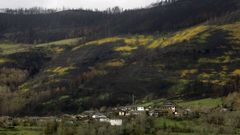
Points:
[(37, 26), (164, 51)]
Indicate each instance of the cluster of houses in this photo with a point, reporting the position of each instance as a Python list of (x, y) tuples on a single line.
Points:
[(101, 117), (118, 114), (167, 109), (114, 117)]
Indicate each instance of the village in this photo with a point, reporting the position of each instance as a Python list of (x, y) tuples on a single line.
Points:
[(114, 117)]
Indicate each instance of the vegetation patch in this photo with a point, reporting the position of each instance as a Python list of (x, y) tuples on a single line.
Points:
[(234, 31), (64, 42), (4, 60), (104, 41), (179, 37), (10, 48), (201, 104), (236, 72), (115, 63), (60, 70), (125, 49)]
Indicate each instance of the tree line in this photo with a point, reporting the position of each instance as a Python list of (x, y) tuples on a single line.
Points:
[(39, 25)]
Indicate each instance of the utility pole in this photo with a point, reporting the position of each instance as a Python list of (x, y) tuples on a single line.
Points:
[(133, 99)]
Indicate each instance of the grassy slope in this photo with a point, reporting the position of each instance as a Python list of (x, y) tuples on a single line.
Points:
[(10, 48), (20, 131), (194, 104), (108, 71)]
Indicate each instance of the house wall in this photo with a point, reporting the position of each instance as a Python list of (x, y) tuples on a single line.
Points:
[(115, 122), (140, 108)]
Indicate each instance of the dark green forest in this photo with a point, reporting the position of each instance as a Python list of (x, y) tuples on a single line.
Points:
[(37, 25)]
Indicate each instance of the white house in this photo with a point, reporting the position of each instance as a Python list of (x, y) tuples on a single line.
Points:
[(121, 113), (170, 106), (140, 108), (173, 108), (113, 122), (116, 122)]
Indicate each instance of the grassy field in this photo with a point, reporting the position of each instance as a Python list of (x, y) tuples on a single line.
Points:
[(21, 131), (198, 104), (207, 103), (10, 48), (178, 127), (72, 41), (58, 47)]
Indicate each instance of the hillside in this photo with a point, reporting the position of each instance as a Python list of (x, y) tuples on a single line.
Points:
[(168, 15), (72, 75)]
